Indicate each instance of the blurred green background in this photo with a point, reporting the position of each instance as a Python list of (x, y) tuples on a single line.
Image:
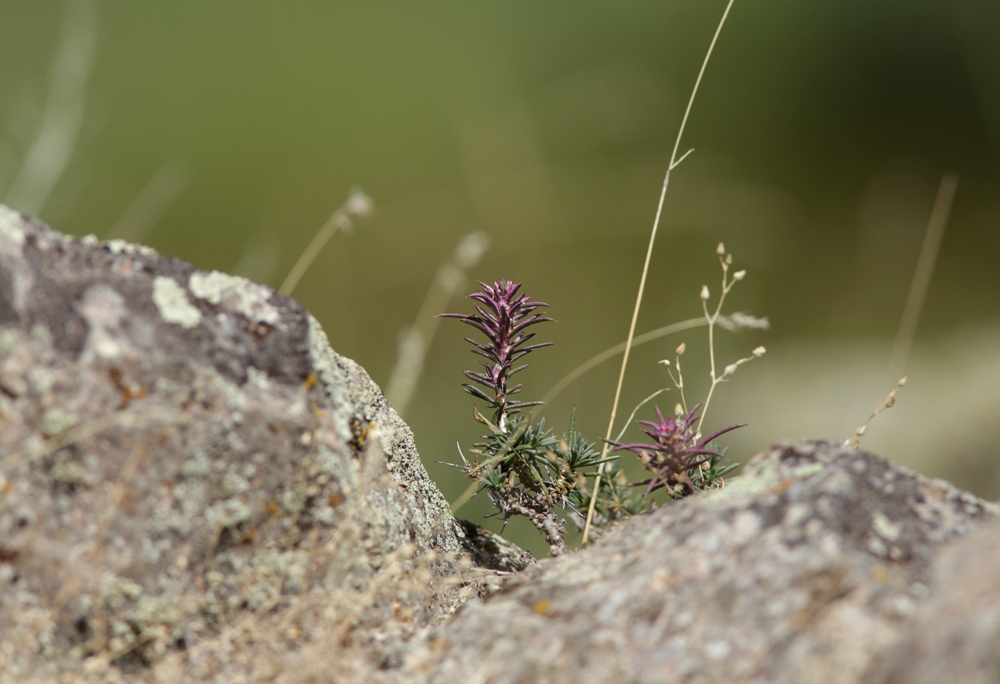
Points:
[(225, 133)]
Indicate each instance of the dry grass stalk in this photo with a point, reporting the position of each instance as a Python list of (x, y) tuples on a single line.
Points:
[(61, 119), (358, 205), (888, 403), (645, 269), (417, 339), (922, 274)]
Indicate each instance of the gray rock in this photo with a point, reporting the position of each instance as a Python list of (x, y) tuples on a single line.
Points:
[(802, 570), (955, 634), (190, 476)]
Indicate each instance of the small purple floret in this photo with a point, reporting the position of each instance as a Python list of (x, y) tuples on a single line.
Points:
[(676, 450)]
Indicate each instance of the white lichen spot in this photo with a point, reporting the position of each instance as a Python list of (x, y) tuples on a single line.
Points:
[(233, 484), (103, 308), (173, 304), (241, 295), (10, 226), (885, 528), (227, 513), (746, 527), (717, 650), (123, 247)]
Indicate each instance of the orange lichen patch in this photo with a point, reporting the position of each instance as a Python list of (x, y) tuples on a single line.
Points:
[(359, 432), (272, 508), (335, 500), (129, 392), (542, 607), (781, 487), (310, 381), (250, 536), (880, 574)]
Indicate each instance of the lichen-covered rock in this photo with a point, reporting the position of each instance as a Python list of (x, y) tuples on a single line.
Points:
[(193, 485), (802, 570), (955, 634)]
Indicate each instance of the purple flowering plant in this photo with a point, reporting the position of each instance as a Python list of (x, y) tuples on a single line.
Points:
[(679, 457), (526, 470)]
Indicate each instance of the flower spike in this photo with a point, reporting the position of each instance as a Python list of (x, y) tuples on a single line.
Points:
[(502, 316)]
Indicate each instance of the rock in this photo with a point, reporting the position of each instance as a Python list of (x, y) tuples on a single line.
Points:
[(955, 635), (188, 471), (194, 487), (803, 569)]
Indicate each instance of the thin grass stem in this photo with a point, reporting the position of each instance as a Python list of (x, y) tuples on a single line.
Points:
[(922, 274), (597, 360), (645, 270), (62, 117), (358, 204), (417, 339)]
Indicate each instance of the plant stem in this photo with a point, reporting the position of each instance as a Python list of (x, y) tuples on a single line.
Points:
[(922, 274), (645, 270)]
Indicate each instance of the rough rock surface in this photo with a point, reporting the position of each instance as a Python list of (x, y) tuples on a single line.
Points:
[(802, 570), (194, 487), (955, 635), (185, 462)]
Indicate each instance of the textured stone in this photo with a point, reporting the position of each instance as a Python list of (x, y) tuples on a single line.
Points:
[(804, 569), (955, 635), (185, 465)]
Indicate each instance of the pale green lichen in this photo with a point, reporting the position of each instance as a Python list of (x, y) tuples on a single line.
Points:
[(244, 296), (56, 421), (172, 301), (763, 473)]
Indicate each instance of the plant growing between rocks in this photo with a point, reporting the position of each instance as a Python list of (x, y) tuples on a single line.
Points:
[(525, 470)]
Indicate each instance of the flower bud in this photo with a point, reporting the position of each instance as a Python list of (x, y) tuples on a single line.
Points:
[(704, 293), (721, 249), (759, 352), (739, 275), (359, 204), (681, 348)]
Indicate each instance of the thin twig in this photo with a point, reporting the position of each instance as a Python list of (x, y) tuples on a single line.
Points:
[(418, 337), (645, 270), (358, 204), (636, 410), (151, 203), (61, 120), (922, 274), (889, 402), (595, 361)]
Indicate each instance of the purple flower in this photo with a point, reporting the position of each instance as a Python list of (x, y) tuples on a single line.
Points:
[(503, 316), (676, 450)]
